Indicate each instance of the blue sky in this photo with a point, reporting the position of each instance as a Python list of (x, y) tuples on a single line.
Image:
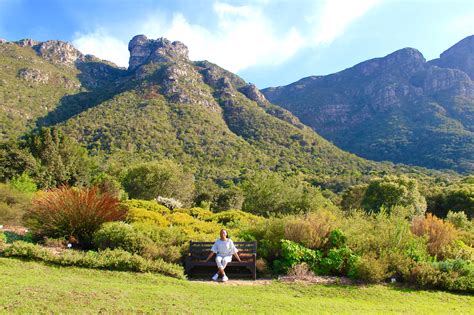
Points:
[(267, 42)]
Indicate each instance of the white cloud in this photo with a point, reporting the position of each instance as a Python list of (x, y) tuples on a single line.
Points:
[(244, 35), (104, 46), (336, 16)]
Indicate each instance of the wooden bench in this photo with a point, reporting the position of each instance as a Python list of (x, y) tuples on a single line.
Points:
[(199, 251)]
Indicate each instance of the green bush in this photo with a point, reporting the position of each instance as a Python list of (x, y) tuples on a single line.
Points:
[(3, 240), (268, 235), (269, 193), (459, 220), (24, 183), (369, 269), (121, 235), (13, 237), (455, 275), (338, 261), (13, 205), (109, 184), (392, 191), (116, 259), (235, 218), (163, 178), (293, 254), (28, 251), (337, 239)]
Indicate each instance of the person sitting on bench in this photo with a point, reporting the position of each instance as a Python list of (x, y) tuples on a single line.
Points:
[(224, 249)]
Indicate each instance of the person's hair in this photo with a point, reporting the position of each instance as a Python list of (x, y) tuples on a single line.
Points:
[(226, 233)]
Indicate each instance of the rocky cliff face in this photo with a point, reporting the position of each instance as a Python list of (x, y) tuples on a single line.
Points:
[(144, 50), (398, 108)]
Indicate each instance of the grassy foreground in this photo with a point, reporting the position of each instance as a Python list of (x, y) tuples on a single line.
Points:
[(28, 287)]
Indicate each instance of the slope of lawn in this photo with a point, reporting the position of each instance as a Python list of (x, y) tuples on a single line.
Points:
[(28, 287)]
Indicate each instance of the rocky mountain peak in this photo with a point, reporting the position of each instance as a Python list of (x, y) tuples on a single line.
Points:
[(463, 48), (59, 52), (406, 60), (144, 50), (460, 56), (55, 51)]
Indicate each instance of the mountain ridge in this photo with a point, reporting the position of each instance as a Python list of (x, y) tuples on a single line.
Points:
[(400, 108), (166, 106)]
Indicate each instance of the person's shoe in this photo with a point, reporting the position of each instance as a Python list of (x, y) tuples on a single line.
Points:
[(214, 277), (224, 278)]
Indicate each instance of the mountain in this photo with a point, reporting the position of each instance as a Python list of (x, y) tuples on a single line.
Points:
[(44, 82), (398, 108), (164, 106)]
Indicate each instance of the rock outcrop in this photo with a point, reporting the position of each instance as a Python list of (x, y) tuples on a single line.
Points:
[(144, 50)]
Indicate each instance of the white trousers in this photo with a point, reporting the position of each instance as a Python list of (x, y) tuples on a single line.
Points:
[(222, 261)]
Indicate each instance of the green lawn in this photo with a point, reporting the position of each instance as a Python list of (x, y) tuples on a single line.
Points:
[(27, 287)]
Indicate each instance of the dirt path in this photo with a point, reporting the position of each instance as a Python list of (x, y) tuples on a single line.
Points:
[(236, 282), (286, 279)]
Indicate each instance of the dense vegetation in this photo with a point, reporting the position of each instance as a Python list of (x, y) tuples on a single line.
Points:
[(295, 225)]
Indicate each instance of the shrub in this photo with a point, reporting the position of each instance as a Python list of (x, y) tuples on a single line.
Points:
[(293, 254), (353, 196), (459, 220), (147, 205), (166, 252), (3, 240), (235, 218), (269, 193), (13, 204), (392, 191), (73, 213), (109, 184), (380, 233), (232, 198), (27, 250), (336, 239), (24, 183), (439, 233), (135, 215), (59, 159), (108, 259), (457, 197), (169, 203), (268, 234), (164, 178), (369, 269), (312, 229), (198, 213), (337, 262), (453, 275), (459, 250), (119, 235)]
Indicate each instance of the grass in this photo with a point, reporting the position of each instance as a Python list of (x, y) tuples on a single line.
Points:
[(31, 287)]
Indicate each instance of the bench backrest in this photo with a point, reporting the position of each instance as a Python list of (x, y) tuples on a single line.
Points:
[(201, 250)]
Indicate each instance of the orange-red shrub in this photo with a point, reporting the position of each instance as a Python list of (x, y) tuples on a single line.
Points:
[(73, 213), (439, 233)]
